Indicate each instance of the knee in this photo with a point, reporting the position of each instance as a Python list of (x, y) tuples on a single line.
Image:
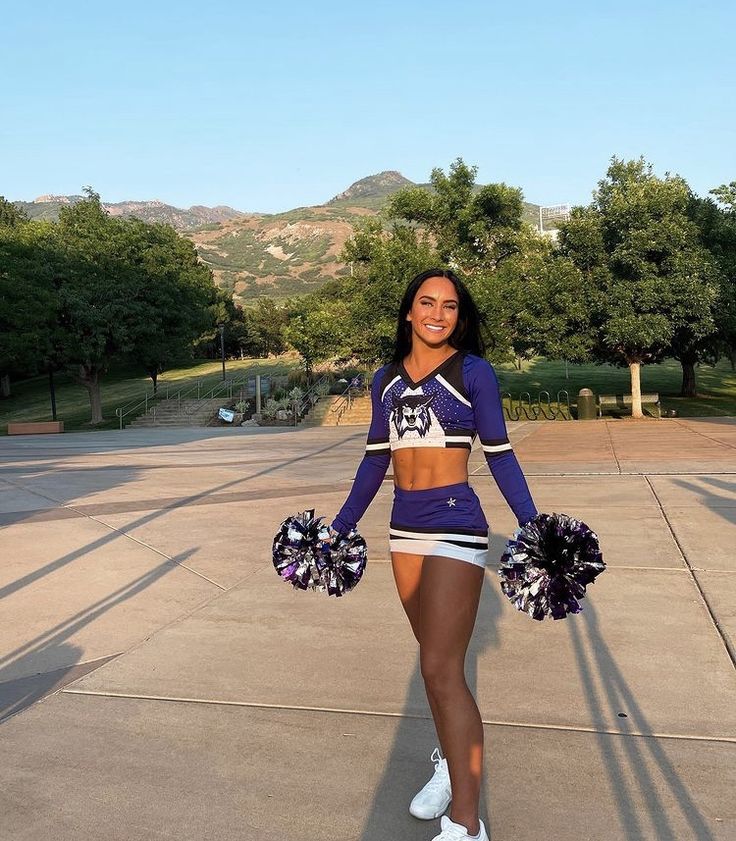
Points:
[(441, 675)]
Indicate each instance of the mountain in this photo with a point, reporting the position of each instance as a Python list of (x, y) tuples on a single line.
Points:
[(47, 207), (265, 255), (375, 187)]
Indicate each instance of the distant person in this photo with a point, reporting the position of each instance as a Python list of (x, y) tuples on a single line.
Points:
[(428, 405)]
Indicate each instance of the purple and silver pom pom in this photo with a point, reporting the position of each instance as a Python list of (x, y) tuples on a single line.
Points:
[(347, 559), (298, 550), (304, 555), (547, 565)]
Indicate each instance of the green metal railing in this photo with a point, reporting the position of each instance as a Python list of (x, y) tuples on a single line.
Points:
[(524, 406)]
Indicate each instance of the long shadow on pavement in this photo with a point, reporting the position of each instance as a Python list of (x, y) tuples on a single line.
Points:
[(18, 694), (630, 776)]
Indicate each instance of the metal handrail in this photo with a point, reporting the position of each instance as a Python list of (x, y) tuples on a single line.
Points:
[(170, 394), (309, 399), (345, 402)]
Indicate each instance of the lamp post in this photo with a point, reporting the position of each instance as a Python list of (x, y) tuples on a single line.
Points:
[(222, 347)]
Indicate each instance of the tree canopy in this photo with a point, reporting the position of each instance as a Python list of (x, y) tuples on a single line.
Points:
[(656, 285)]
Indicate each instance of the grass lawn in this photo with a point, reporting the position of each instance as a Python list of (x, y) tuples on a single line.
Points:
[(30, 398), (716, 387)]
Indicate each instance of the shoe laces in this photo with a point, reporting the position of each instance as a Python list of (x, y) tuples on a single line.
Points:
[(452, 833), (439, 778)]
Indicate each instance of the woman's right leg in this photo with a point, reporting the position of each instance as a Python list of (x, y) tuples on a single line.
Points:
[(407, 575)]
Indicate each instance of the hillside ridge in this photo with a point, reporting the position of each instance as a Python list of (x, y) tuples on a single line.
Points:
[(273, 255)]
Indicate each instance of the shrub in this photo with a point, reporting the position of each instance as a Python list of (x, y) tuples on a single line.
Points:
[(270, 409), (298, 378)]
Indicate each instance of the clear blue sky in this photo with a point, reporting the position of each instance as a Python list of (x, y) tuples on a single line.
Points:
[(266, 107)]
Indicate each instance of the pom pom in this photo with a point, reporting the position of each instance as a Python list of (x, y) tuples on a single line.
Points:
[(305, 556), (346, 562), (298, 550), (548, 563)]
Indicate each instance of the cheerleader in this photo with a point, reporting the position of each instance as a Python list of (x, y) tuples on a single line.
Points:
[(429, 404)]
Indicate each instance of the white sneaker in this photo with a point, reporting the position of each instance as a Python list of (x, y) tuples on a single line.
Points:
[(456, 832), (436, 795)]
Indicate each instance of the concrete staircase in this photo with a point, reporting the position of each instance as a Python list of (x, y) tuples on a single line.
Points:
[(179, 413), (322, 414)]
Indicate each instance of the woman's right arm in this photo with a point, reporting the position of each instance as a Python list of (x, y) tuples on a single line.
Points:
[(372, 468)]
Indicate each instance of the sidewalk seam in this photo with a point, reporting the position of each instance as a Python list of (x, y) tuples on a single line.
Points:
[(379, 714), (613, 449), (59, 504), (714, 619)]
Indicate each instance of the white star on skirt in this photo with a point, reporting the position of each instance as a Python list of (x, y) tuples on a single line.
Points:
[(451, 502)]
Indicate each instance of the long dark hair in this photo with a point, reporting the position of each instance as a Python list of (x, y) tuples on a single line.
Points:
[(466, 335)]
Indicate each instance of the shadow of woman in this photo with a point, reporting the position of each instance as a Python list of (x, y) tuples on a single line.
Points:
[(407, 765)]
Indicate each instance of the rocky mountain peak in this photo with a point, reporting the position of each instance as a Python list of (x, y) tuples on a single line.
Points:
[(374, 186)]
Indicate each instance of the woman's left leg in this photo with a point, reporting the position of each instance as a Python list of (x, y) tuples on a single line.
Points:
[(449, 595)]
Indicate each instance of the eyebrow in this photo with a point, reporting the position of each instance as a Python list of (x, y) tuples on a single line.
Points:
[(433, 298)]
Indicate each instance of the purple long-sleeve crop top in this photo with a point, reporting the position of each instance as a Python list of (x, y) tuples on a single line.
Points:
[(449, 407)]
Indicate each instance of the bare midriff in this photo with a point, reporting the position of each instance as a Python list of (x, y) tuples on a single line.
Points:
[(419, 468)]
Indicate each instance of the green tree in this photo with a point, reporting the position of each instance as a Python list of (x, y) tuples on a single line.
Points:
[(474, 229), (268, 320), (173, 293), (29, 262), (656, 284), (716, 223), (537, 303), (317, 330), (383, 263), (11, 216), (127, 289), (726, 195)]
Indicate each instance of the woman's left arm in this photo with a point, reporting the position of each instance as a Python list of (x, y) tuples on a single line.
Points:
[(485, 397)]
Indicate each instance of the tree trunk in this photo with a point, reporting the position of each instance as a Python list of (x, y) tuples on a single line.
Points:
[(153, 374), (689, 386), (5, 385), (52, 393), (636, 411), (732, 357), (89, 377)]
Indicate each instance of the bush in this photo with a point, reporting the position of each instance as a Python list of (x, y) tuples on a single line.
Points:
[(349, 373), (338, 386), (298, 378), (270, 409)]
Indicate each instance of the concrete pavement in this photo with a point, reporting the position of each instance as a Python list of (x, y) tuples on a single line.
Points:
[(157, 679)]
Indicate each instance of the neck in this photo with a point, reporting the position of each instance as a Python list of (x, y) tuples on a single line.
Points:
[(422, 355)]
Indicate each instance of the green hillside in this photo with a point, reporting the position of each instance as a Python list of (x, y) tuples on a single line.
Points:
[(275, 255)]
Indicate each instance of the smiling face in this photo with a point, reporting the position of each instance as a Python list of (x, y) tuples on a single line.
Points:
[(434, 312)]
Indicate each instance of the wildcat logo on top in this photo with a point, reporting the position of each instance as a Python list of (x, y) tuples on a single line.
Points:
[(411, 416)]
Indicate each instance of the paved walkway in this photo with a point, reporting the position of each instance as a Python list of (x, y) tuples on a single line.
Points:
[(158, 681)]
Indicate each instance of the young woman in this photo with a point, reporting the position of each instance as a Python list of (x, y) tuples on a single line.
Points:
[(429, 404)]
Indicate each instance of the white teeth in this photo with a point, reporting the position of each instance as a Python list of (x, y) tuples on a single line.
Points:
[(433, 328)]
